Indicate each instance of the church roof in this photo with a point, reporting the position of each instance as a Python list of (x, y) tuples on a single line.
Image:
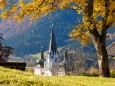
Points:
[(37, 67), (53, 46), (111, 49)]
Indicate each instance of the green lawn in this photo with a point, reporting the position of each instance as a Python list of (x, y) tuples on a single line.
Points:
[(10, 77)]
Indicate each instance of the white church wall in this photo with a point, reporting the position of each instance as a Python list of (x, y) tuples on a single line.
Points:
[(37, 72)]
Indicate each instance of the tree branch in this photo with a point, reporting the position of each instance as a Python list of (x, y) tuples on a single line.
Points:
[(89, 13)]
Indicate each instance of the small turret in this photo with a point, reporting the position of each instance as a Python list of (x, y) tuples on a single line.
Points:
[(42, 59), (65, 60)]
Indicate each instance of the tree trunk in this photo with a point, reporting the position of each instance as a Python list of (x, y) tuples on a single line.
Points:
[(99, 38), (102, 57)]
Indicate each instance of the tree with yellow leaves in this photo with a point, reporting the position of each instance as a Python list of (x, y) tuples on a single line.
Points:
[(2, 4), (98, 17)]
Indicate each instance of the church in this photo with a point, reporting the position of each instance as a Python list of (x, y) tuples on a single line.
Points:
[(51, 65)]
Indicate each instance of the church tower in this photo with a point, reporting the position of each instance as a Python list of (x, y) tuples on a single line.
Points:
[(52, 61)]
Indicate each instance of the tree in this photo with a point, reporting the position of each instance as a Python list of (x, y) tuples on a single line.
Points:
[(98, 31), (98, 16), (78, 61), (5, 51)]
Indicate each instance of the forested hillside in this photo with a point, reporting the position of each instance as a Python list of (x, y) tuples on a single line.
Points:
[(29, 37)]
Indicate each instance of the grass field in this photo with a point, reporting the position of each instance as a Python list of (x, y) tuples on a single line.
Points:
[(10, 77)]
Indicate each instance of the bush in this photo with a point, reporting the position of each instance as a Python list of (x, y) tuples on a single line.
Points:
[(31, 70), (95, 74), (112, 73), (92, 75), (85, 74)]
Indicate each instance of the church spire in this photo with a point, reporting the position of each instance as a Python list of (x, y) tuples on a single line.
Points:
[(53, 46)]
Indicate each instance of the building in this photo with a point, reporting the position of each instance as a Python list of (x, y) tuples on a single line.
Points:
[(51, 65), (66, 66), (111, 50), (111, 53)]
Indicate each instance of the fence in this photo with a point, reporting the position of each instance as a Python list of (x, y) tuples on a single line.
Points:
[(14, 65)]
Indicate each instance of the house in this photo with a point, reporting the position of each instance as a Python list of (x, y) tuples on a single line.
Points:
[(111, 53), (111, 50)]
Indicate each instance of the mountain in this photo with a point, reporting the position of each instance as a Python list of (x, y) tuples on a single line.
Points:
[(29, 37)]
